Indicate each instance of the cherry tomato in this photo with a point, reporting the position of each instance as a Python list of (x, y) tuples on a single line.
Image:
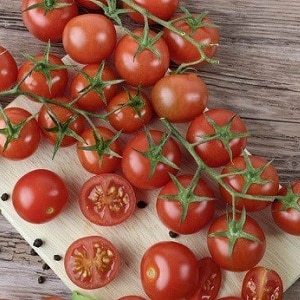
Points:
[(131, 297), (23, 141), (210, 278), (182, 51), (143, 68), (137, 167), (88, 4), (260, 178), (262, 283), (94, 99), (8, 69), (163, 9), (169, 270), (184, 213), (107, 199), (285, 212), (92, 262), (36, 82), (88, 44), (47, 21), (129, 111), (219, 133), (246, 253), (179, 97), (230, 298), (39, 196), (52, 117), (95, 153), (52, 298)]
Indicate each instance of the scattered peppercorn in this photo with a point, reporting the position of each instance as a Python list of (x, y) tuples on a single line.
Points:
[(37, 243), (57, 257), (4, 197), (173, 234), (33, 252), (41, 279), (45, 267), (141, 204)]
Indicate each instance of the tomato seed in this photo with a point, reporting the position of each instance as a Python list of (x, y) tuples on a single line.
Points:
[(141, 204), (4, 197), (37, 243)]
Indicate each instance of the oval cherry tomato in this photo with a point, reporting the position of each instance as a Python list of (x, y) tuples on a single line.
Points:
[(54, 120), (264, 176), (47, 21), (39, 196), (37, 83), (107, 199), (8, 69), (132, 297), (210, 278), (218, 132), (285, 212), (95, 154), (182, 51), (88, 44), (169, 270), (245, 254), (262, 283), (93, 100), (24, 140), (183, 213), (90, 5), (137, 167), (144, 68), (129, 111), (92, 262), (179, 97)]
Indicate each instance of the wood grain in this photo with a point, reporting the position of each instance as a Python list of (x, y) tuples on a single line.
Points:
[(258, 77)]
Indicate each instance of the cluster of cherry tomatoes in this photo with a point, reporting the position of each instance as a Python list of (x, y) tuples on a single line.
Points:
[(122, 84)]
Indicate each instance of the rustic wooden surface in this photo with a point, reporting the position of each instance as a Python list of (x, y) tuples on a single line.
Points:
[(258, 77)]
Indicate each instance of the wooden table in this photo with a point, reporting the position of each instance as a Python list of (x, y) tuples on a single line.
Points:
[(258, 77)]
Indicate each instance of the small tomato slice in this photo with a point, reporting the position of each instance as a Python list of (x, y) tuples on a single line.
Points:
[(91, 262), (107, 199)]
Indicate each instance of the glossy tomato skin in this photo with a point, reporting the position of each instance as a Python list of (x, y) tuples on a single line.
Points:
[(237, 182), (52, 298), (179, 97), (169, 270), (182, 51), (246, 253), (288, 219), (8, 69), (160, 8), (90, 160), (144, 69), (63, 115), (132, 297), (27, 142), (213, 153), (88, 44), (47, 25), (127, 118), (88, 4), (39, 196), (136, 167), (199, 213), (92, 101), (92, 262), (36, 82), (107, 199), (230, 298), (262, 283)]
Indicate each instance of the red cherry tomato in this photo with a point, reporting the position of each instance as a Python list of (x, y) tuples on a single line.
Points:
[(90, 5), (131, 297), (88, 44), (52, 298), (8, 69), (92, 262), (47, 22), (262, 283), (169, 270), (24, 142), (107, 199), (230, 298), (39, 196), (179, 97)]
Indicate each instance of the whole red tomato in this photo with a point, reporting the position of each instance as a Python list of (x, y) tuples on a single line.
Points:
[(132, 297), (143, 67), (262, 283), (149, 158), (179, 97), (89, 4), (182, 51), (169, 270), (219, 135), (46, 19), (230, 298), (39, 196), (8, 69), (86, 43)]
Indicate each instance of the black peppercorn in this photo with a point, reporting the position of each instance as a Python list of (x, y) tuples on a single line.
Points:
[(33, 252), (37, 243), (45, 267), (57, 257), (4, 197), (173, 234), (141, 204), (41, 279)]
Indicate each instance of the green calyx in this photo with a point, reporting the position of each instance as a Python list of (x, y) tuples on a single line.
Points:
[(48, 5), (290, 200)]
